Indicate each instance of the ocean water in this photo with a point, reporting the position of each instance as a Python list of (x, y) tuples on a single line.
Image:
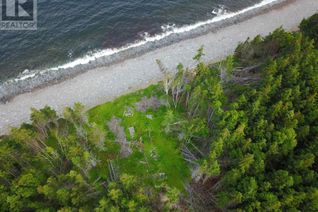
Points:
[(73, 29)]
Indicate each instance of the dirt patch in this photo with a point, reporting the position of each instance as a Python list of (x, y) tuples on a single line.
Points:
[(148, 103), (118, 130)]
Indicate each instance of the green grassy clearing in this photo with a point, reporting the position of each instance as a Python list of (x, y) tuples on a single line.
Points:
[(159, 152)]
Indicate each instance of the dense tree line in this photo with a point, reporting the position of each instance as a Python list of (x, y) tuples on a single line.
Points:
[(267, 140), (64, 164), (262, 136)]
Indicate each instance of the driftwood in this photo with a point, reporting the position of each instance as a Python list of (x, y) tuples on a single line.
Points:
[(253, 68), (188, 156), (247, 74), (112, 172), (203, 194)]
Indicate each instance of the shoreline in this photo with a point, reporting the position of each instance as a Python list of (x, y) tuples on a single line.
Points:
[(102, 84), (38, 79)]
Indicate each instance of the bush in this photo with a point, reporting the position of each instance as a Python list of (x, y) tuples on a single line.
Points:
[(310, 28)]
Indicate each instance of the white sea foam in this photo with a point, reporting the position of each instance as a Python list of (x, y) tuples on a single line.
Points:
[(221, 14), (220, 11)]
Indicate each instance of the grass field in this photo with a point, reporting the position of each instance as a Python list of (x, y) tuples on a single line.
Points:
[(159, 158)]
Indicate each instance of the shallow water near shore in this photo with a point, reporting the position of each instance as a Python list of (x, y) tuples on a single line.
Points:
[(68, 30)]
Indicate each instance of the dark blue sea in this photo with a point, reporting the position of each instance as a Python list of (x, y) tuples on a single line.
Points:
[(70, 29)]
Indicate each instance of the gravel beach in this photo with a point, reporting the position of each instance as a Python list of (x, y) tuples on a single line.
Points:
[(106, 83)]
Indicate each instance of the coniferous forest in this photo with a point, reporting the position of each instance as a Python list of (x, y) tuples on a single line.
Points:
[(240, 135)]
